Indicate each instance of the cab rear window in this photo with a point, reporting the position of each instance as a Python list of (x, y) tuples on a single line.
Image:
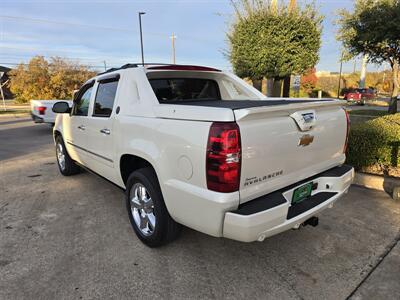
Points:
[(176, 89)]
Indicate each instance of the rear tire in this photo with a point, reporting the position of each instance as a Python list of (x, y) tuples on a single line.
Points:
[(65, 163), (147, 212)]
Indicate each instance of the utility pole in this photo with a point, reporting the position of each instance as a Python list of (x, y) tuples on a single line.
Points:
[(340, 74), (274, 6), (292, 5), (173, 37), (363, 71), (141, 35), (105, 65)]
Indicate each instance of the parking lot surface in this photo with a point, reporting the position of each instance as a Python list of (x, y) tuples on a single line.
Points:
[(70, 238)]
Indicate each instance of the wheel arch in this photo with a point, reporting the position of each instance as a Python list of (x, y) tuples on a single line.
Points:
[(56, 133), (129, 163)]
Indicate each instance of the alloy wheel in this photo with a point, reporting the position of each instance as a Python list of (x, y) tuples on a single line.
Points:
[(60, 155), (142, 209)]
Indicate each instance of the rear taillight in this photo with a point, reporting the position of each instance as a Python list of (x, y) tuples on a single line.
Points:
[(42, 110), (347, 130), (223, 157)]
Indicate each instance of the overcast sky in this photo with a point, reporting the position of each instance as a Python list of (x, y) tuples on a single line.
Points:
[(97, 31)]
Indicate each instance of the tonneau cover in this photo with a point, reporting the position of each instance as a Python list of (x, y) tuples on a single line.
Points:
[(241, 104)]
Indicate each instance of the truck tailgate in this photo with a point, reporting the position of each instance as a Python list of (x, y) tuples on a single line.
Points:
[(278, 151)]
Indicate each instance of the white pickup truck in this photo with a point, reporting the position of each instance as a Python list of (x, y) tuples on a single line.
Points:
[(41, 111), (200, 147)]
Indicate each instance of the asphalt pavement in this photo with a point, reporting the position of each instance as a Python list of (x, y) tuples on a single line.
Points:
[(70, 238)]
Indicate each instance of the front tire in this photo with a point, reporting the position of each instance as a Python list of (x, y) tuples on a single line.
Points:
[(65, 163), (147, 212)]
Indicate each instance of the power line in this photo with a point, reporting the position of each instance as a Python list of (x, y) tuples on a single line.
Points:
[(125, 1), (100, 56), (57, 52), (26, 64), (95, 64), (49, 53), (126, 30), (46, 21), (24, 56), (34, 20), (226, 67)]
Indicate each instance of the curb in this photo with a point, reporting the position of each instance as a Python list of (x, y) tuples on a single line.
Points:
[(387, 184)]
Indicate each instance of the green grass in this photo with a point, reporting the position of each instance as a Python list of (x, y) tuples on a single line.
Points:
[(368, 112)]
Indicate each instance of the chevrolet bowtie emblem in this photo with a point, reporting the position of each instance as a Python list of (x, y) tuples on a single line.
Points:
[(306, 140)]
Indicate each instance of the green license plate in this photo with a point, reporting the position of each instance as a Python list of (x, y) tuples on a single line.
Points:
[(302, 193)]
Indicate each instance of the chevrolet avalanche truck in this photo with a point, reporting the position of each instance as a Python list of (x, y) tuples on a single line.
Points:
[(199, 147)]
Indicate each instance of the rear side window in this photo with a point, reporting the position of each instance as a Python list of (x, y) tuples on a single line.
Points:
[(81, 103), (175, 89), (105, 96), (235, 92)]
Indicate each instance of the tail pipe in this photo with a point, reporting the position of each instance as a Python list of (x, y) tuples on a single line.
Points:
[(313, 221)]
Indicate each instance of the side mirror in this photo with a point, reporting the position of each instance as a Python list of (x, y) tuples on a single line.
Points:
[(61, 107)]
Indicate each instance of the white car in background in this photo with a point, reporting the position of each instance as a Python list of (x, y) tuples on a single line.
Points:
[(41, 110)]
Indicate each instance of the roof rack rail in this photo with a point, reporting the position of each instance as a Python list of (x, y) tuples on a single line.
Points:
[(126, 66), (135, 65), (131, 65)]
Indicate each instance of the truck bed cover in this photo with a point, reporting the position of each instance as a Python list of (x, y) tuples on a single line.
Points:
[(241, 104)]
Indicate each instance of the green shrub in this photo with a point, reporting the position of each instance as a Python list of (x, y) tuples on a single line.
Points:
[(375, 144)]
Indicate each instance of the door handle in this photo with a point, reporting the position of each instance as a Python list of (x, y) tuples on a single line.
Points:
[(81, 127), (105, 131)]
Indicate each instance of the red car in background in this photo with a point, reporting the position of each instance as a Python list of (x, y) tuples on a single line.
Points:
[(360, 95)]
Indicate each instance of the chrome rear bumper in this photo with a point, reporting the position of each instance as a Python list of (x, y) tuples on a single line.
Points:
[(274, 213)]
